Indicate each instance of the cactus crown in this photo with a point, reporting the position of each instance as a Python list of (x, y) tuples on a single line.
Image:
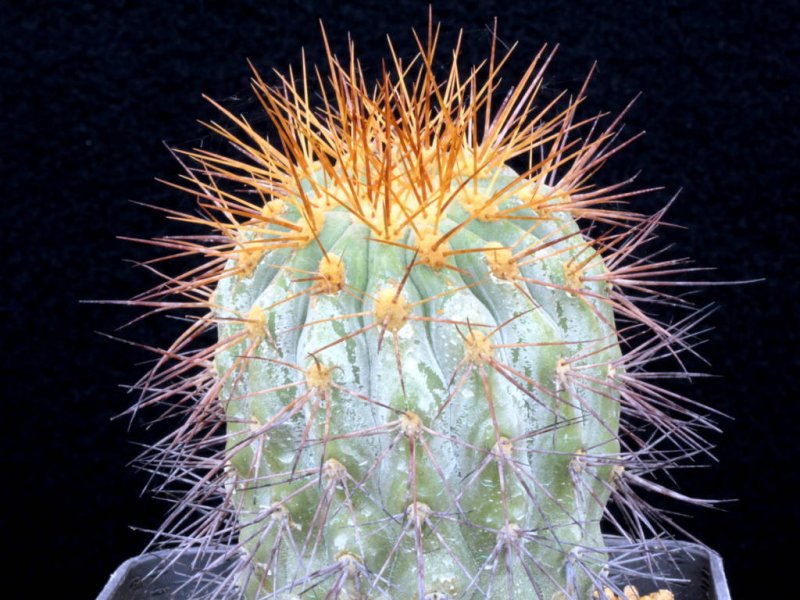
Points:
[(429, 378)]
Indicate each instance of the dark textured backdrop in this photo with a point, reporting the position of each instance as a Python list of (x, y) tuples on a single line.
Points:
[(90, 90)]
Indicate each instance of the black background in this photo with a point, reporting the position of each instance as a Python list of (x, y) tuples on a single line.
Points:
[(91, 90)]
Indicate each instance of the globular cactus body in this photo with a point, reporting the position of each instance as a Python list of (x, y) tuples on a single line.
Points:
[(409, 409), (418, 386)]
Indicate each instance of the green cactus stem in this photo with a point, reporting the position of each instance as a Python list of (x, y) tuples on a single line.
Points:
[(428, 378)]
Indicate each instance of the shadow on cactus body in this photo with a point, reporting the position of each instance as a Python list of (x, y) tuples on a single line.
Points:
[(430, 374)]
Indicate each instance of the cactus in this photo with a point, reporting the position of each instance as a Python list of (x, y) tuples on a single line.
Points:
[(429, 378)]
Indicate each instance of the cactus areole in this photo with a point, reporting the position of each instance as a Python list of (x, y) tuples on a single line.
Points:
[(429, 378)]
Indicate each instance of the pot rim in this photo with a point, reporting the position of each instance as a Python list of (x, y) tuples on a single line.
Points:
[(134, 570)]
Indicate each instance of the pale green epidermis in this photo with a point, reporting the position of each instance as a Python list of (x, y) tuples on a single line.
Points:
[(296, 519)]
